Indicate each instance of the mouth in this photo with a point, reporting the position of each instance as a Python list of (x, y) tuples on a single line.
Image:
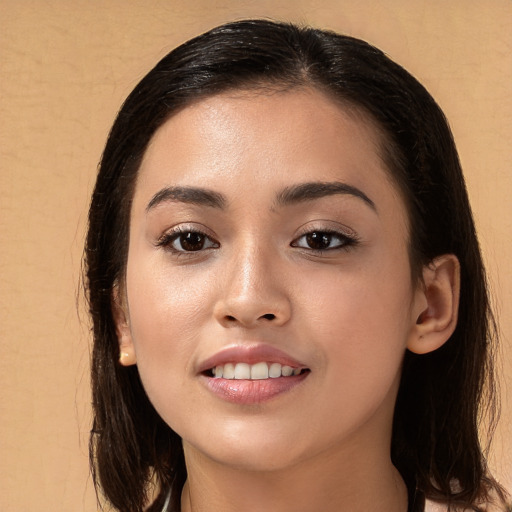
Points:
[(259, 371), (252, 374)]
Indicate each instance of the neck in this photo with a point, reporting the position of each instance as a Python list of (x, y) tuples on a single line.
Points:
[(337, 482)]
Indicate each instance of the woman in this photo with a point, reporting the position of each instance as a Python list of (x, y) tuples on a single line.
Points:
[(289, 304)]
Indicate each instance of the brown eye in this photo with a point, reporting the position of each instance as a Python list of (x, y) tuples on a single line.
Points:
[(191, 241), (324, 241), (318, 240), (187, 241)]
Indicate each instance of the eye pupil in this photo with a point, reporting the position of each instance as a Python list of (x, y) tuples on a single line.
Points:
[(192, 241), (318, 240)]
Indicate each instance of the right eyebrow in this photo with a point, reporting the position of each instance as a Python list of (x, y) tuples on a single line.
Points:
[(191, 195)]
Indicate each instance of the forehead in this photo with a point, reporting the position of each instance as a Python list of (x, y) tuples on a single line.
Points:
[(260, 139)]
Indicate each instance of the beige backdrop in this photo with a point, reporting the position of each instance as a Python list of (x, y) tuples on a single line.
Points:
[(66, 65)]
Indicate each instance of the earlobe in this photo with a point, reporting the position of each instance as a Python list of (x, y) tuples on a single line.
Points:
[(124, 336), (437, 305)]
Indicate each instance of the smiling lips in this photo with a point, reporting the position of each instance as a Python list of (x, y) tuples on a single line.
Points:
[(252, 374)]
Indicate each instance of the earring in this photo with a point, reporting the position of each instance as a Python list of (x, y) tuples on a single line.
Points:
[(126, 358)]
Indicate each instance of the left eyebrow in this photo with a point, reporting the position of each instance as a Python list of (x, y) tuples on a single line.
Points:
[(316, 190)]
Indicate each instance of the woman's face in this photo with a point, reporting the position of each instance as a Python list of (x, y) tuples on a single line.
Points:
[(266, 236)]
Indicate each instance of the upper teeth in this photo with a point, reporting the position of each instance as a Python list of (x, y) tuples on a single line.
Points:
[(256, 371)]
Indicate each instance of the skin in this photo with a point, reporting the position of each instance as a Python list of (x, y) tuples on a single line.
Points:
[(347, 313)]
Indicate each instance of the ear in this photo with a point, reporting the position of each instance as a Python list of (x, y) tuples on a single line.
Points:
[(124, 335), (436, 305)]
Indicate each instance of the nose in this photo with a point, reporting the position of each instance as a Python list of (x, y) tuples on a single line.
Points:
[(253, 292)]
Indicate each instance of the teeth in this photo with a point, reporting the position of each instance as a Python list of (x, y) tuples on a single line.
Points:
[(259, 371), (286, 371), (229, 371), (274, 371), (242, 371)]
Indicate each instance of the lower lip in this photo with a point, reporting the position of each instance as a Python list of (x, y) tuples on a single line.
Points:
[(248, 392)]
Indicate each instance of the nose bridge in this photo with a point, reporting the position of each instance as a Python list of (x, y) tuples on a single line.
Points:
[(254, 290), (250, 272)]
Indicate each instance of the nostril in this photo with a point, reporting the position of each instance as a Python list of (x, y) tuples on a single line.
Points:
[(232, 320)]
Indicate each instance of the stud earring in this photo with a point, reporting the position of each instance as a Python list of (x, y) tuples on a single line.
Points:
[(126, 358)]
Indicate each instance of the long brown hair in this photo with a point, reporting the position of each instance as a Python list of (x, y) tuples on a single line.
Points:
[(435, 442)]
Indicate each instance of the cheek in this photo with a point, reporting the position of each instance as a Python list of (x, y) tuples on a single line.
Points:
[(373, 294), (165, 309), (361, 330), (363, 320), (164, 315)]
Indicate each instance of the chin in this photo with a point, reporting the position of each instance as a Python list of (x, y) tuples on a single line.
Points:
[(281, 453), (251, 451)]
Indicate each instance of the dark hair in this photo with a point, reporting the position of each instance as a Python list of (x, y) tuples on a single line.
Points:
[(435, 443)]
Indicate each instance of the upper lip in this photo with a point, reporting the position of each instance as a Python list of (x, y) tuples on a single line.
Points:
[(250, 354)]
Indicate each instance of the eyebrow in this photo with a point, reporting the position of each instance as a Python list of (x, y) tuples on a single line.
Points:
[(316, 190), (288, 196), (191, 195)]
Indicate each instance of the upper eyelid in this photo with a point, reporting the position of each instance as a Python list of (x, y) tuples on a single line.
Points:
[(339, 234), (342, 232), (171, 234), (185, 227), (326, 226)]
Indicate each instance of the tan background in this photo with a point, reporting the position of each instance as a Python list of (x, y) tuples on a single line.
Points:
[(65, 68)]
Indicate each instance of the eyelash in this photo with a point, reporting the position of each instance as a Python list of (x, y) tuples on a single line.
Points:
[(345, 241), (168, 239)]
